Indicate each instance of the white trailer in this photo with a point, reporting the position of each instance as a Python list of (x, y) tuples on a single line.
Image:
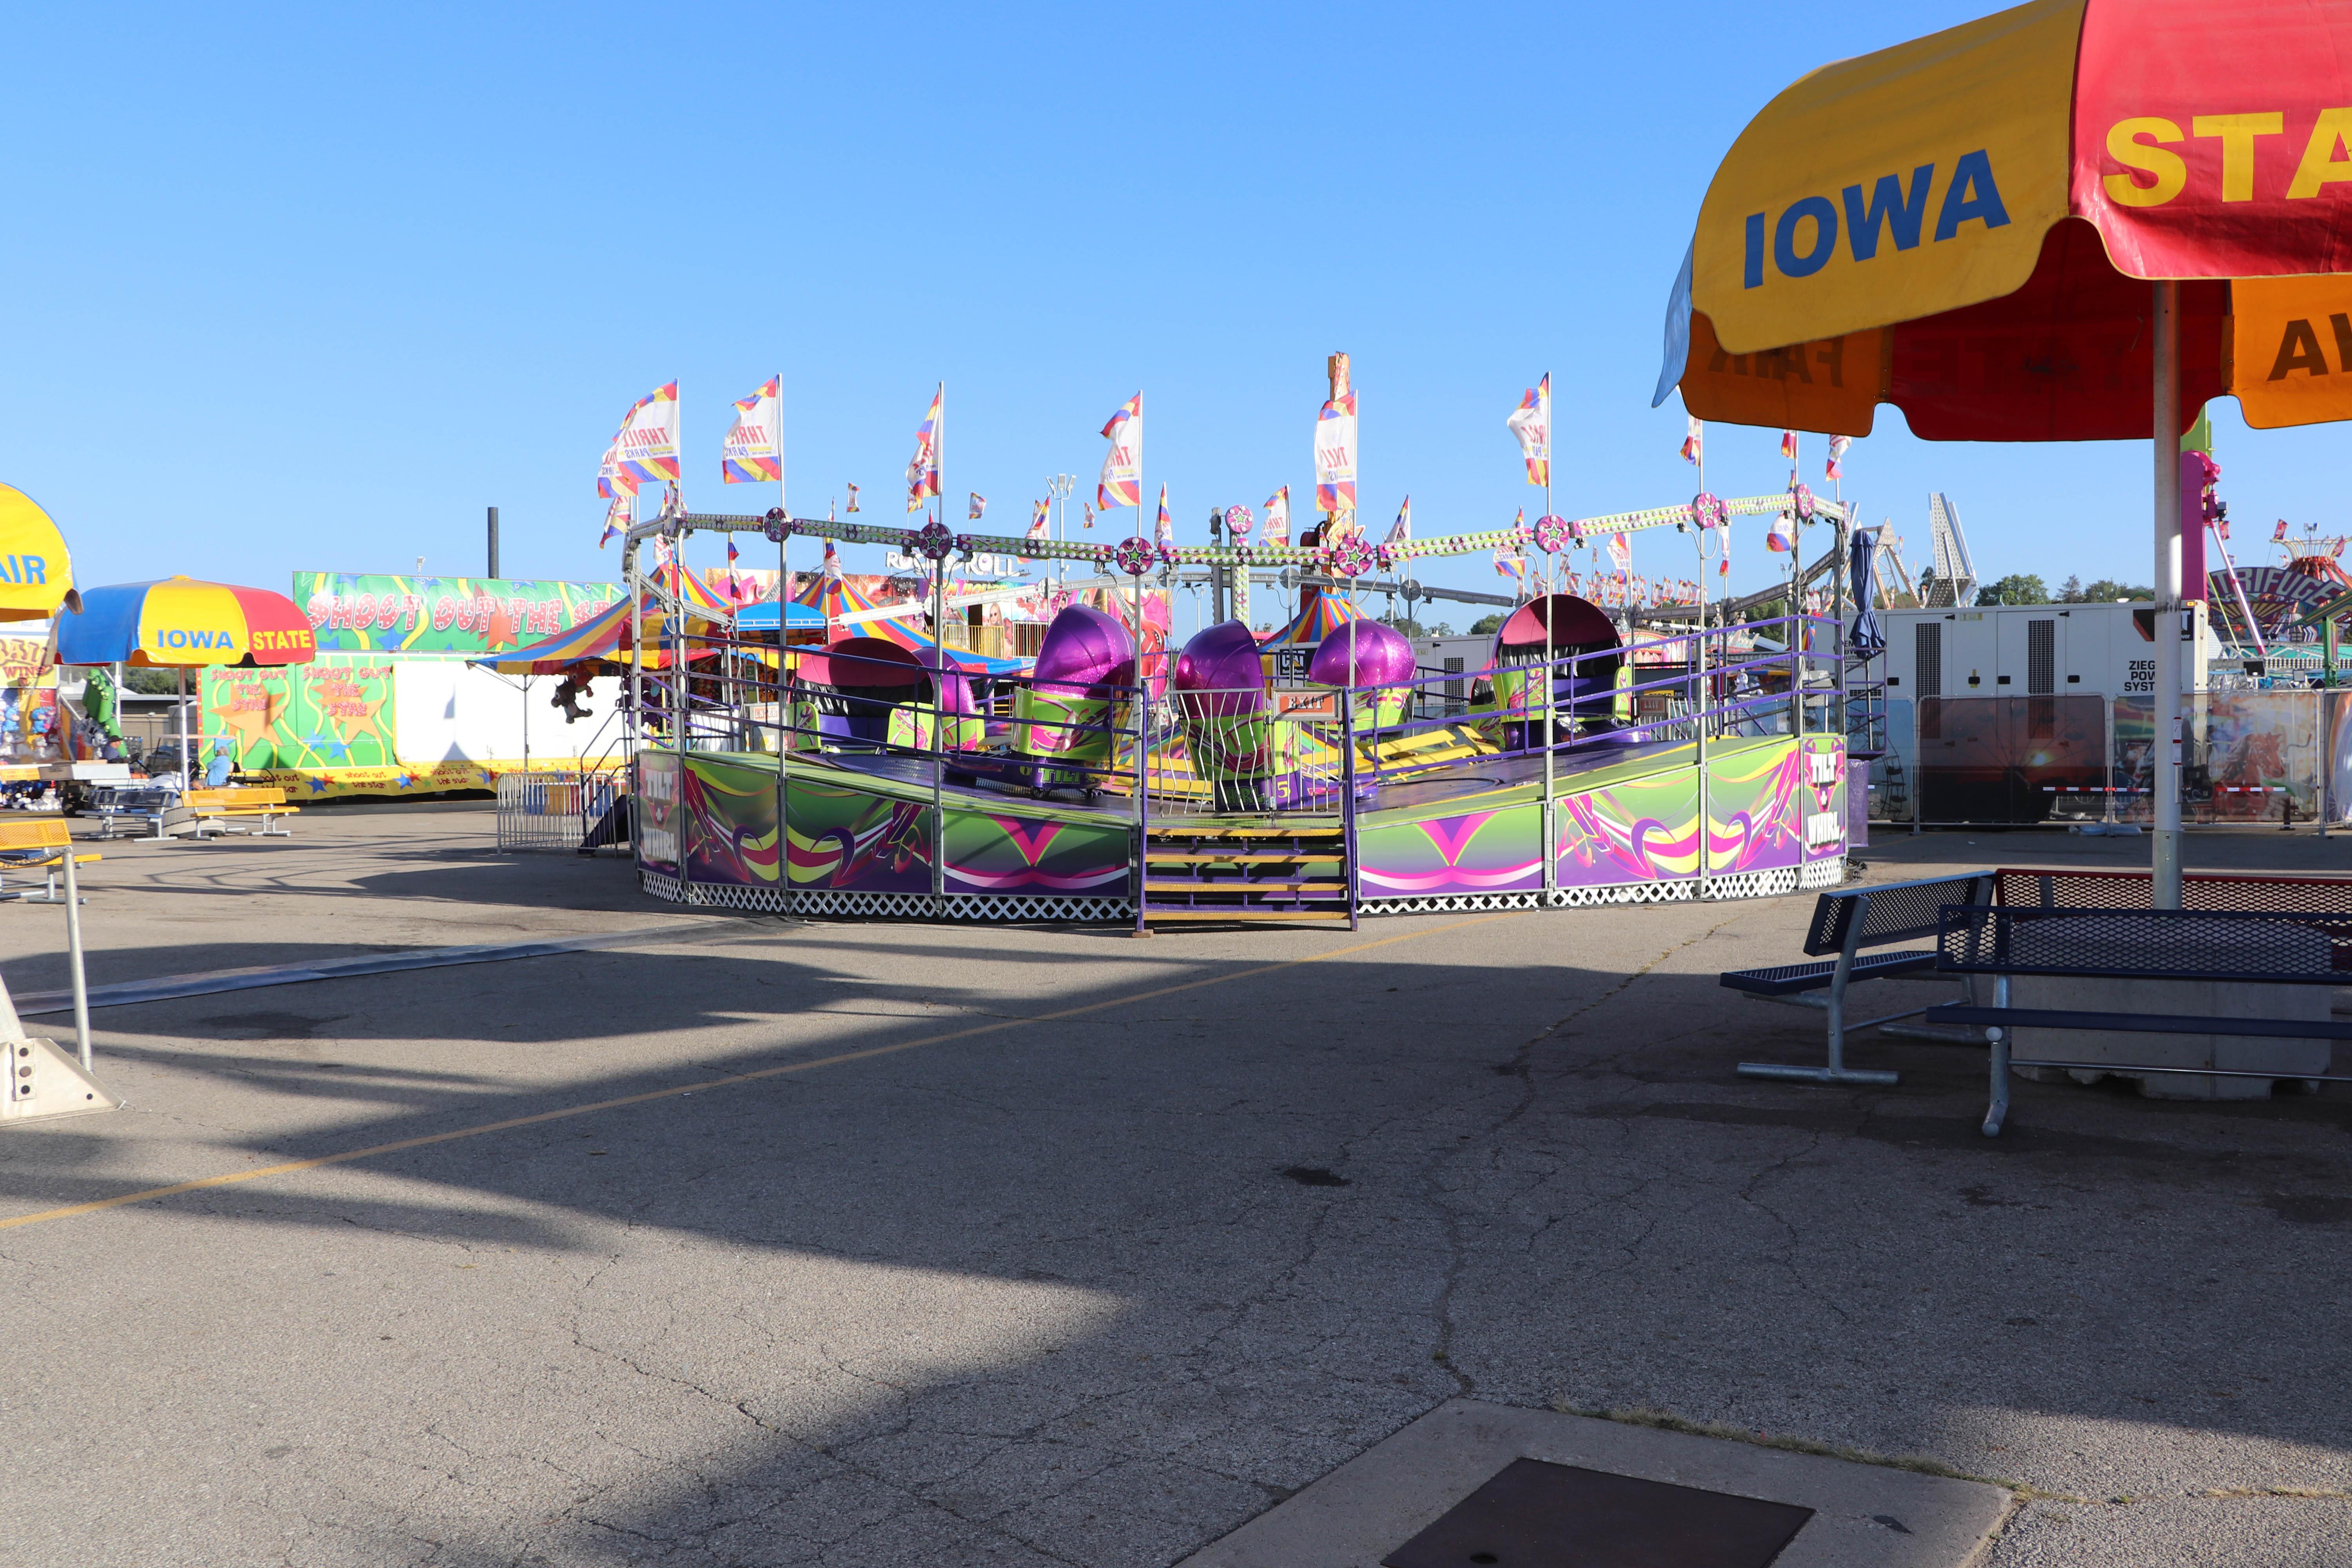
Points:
[(2104, 651)]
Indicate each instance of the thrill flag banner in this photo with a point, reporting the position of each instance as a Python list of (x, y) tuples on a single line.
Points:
[(1335, 456), (1121, 482), (755, 449), (646, 447), (1277, 517), (923, 467), (1532, 422)]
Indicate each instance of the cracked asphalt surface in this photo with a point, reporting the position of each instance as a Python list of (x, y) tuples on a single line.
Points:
[(1098, 1289)]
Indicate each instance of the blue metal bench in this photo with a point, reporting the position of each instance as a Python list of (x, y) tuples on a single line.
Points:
[(1845, 922), (2135, 944)]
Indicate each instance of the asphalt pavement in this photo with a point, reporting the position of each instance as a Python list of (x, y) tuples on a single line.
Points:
[(778, 1242)]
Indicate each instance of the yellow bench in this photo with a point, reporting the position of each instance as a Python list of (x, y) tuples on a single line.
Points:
[(213, 810), (37, 844)]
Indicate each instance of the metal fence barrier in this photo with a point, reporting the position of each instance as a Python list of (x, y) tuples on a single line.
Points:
[(552, 810)]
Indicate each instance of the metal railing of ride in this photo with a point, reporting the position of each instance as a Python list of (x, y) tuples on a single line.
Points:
[(1270, 749), (552, 809), (1007, 727)]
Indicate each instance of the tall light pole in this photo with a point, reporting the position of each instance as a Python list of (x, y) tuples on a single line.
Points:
[(1057, 490)]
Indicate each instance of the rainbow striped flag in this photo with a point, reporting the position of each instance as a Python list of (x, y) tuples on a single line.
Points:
[(1163, 528), (754, 451), (1532, 422), (923, 467), (647, 447), (1335, 455), (1121, 482)]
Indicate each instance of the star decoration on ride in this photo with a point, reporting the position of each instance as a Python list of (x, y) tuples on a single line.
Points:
[(1351, 557), (1801, 502), (1135, 555), (1553, 534), (932, 542), (1708, 511)]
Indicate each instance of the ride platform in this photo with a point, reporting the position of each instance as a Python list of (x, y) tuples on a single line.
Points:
[(874, 833)]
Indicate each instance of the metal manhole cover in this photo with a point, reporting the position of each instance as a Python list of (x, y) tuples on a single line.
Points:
[(1533, 1514)]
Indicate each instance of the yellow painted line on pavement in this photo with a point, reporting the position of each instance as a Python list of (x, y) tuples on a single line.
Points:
[(231, 1178)]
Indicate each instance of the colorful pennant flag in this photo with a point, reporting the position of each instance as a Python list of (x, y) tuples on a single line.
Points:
[(1532, 422), (617, 518), (979, 506), (1085, 514), (612, 480), (1335, 456), (1402, 528), (753, 453), (923, 467), (2279, 536), (1511, 564), (1621, 551), (1037, 514), (831, 569), (1121, 483), (1277, 517), (734, 589), (647, 446), (1163, 527), (1781, 537), (1694, 439), (1838, 445), (852, 498), (1788, 444)]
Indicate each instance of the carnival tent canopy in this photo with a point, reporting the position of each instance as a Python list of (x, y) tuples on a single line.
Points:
[(605, 636), (1323, 613), (1961, 225), (182, 622), (35, 573)]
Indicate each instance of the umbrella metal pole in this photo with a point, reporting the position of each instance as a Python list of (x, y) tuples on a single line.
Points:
[(180, 715), (2166, 439)]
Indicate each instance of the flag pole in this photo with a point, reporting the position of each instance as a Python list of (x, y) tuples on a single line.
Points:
[(1142, 722), (784, 736), (940, 649), (1551, 675), (1699, 663)]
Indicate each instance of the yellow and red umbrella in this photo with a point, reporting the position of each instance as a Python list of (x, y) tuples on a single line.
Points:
[(2073, 220), (1963, 225), (180, 622), (35, 573)]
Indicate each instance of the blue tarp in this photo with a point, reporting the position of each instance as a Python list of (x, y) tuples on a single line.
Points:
[(1867, 640)]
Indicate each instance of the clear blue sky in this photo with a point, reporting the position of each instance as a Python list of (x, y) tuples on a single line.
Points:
[(310, 287)]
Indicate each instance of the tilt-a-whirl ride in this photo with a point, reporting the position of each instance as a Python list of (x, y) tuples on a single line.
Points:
[(880, 773)]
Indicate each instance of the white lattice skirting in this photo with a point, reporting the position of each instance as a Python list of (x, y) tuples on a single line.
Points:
[(987, 907), (1008, 909)]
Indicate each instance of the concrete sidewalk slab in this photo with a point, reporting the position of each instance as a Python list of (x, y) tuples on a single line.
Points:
[(1367, 1509)]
